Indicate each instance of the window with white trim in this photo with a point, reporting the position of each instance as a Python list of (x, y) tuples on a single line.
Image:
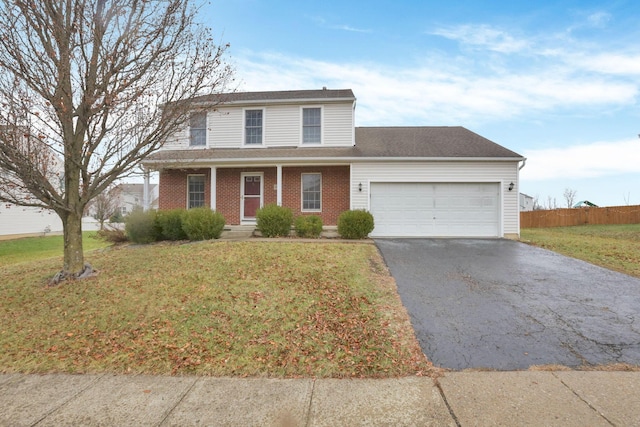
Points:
[(253, 127), (311, 126), (311, 192), (195, 193), (198, 129)]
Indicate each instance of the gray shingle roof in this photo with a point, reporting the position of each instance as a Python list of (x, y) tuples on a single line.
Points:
[(276, 96), (371, 143), (431, 142)]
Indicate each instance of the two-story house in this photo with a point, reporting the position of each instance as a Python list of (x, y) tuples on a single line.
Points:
[(301, 149)]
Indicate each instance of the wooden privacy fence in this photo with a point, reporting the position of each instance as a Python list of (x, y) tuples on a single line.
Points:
[(580, 216)]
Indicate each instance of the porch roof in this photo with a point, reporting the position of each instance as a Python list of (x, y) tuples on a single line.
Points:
[(372, 143)]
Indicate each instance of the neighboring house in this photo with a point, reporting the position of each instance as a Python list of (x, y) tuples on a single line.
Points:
[(21, 220), (526, 203), (300, 149), (17, 220), (132, 195)]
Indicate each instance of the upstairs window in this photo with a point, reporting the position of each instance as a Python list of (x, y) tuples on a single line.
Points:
[(311, 128), (195, 198), (311, 192), (198, 129), (253, 127)]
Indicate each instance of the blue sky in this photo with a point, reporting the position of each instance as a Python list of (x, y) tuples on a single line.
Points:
[(556, 81)]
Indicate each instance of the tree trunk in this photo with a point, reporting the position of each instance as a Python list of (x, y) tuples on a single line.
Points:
[(73, 253)]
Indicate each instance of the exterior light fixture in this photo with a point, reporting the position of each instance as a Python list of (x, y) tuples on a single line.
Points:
[(511, 186), (360, 187)]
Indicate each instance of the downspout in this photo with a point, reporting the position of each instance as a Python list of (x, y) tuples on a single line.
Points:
[(524, 162)]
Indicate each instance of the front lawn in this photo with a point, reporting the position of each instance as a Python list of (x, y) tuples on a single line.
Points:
[(33, 248), (278, 309), (616, 247)]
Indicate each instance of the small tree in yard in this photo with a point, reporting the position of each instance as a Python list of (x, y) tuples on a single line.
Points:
[(88, 88), (570, 196), (105, 205)]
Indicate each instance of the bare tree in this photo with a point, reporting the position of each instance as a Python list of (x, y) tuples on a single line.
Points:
[(94, 85), (552, 203), (105, 204), (536, 203), (569, 196)]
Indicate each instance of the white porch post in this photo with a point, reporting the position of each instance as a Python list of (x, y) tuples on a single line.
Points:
[(279, 185), (145, 191), (213, 188)]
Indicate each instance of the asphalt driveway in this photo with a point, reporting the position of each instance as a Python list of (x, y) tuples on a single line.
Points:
[(505, 305)]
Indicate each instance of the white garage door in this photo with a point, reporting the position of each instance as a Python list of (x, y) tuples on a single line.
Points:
[(414, 209)]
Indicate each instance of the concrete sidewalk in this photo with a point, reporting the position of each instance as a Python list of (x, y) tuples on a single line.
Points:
[(566, 398)]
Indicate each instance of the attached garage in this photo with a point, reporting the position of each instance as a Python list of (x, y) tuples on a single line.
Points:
[(435, 209)]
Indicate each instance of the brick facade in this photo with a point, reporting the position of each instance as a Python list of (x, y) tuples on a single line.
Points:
[(172, 193), (335, 190)]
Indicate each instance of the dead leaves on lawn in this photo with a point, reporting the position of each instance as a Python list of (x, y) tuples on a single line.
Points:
[(223, 308)]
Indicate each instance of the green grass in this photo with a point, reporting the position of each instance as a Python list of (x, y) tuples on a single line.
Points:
[(279, 309), (29, 249), (616, 247)]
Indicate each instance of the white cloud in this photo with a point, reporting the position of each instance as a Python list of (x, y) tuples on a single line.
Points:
[(484, 36), (610, 63), (437, 92), (599, 19), (343, 27), (598, 159)]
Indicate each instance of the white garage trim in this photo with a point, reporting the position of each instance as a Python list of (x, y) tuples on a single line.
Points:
[(436, 209)]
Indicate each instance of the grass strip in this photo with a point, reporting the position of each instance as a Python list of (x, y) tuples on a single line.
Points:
[(616, 247)]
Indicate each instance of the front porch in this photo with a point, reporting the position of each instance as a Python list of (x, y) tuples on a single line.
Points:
[(237, 192)]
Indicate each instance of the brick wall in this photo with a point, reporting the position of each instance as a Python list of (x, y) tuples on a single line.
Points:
[(335, 190), (228, 190), (173, 187)]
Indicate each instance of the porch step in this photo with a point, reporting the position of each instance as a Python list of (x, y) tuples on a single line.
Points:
[(241, 232), (237, 232)]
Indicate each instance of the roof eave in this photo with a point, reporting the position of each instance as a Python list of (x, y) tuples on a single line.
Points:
[(222, 103), (284, 160)]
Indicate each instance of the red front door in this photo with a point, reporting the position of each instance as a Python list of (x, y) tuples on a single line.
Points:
[(251, 196)]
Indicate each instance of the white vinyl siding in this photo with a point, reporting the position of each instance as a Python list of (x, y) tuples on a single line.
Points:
[(338, 125), (282, 126), (444, 172), (17, 220), (226, 128)]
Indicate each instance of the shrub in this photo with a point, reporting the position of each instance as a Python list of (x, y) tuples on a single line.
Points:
[(308, 226), (116, 218), (112, 235), (355, 224), (273, 220), (140, 226), (202, 224), (169, 224)]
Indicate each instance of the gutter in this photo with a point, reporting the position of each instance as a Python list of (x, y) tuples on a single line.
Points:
[(256, 160)]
